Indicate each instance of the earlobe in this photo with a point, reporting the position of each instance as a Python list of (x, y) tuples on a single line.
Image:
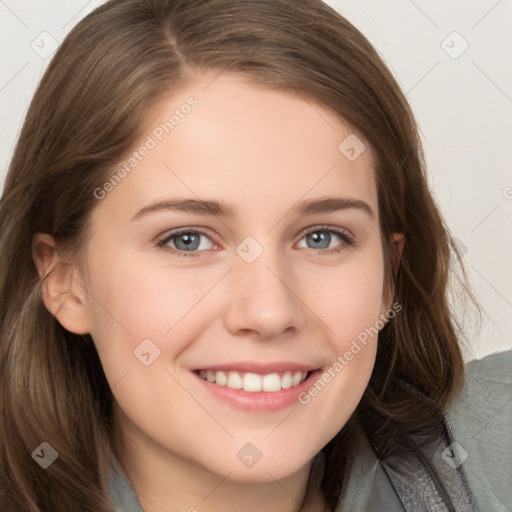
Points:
[(63, 294)]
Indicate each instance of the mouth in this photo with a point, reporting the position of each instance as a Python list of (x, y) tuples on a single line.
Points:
[(257, 388), (254, 382)]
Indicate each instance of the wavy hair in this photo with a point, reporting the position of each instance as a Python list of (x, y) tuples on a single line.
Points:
[(85, 116)]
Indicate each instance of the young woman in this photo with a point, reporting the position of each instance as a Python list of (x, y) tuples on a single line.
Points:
[(223, 277)]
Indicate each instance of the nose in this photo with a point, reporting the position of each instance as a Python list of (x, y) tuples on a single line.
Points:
[(264, 299)]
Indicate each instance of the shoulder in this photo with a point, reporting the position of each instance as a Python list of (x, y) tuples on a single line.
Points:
[(480, 422), (486, 395), (481, 419), (497, 366)]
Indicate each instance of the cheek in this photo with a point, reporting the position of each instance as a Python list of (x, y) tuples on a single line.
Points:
[(146, 299), (135, 302), (348, 299), (332, 398), (349, 303), (132, 301)]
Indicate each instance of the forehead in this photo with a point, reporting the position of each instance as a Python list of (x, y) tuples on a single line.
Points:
[(220, 136)]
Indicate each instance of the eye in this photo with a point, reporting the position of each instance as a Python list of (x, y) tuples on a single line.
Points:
[(321, 237), (186, 242), (190, 242)]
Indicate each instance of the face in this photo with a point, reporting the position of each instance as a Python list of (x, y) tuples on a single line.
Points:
[(241, 249)]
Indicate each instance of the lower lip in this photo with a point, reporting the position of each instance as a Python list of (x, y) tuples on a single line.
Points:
[(259, 400)]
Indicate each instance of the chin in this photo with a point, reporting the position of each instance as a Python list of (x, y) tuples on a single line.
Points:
[(268, 468)]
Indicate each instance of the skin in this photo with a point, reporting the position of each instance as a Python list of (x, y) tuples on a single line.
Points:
[(263, 151)]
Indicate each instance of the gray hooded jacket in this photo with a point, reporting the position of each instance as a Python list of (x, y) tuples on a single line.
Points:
[(469, 469)]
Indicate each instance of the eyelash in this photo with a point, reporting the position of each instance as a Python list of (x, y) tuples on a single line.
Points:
[(347, 239)]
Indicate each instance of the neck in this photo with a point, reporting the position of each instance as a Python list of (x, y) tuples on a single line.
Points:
[(164, 482)]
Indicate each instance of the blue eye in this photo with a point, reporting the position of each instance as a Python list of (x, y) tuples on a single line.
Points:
[(321, 237), (191, 242), (185, 241)]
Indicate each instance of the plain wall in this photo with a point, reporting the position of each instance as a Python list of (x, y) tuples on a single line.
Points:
[(454, 62)]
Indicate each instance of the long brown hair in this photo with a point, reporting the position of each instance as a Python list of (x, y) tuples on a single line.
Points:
[(86, 114)]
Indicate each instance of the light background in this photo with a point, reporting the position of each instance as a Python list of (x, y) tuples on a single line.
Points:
[(462, 101)]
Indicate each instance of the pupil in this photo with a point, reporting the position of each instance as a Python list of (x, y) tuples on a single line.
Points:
[(187, 241), (319, 237)]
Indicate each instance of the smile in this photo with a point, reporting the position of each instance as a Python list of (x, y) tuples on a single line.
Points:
[(253, 382)]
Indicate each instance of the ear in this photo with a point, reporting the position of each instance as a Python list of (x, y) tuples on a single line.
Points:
[(63, 293), (397, 247)]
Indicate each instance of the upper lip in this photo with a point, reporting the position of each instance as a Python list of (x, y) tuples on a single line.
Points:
[(259, 368)]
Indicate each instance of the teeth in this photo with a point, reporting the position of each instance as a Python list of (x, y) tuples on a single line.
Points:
[(271, 382), (297, 377), (253, 382), (221, 379), (287, 381), (235, 381)]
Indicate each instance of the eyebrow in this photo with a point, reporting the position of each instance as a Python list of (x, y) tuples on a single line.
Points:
[(331, 204), (223, 209)]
